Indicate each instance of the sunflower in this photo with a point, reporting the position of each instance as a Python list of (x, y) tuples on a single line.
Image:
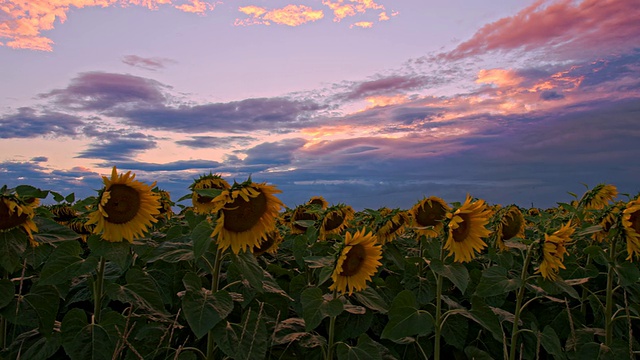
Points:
[(553, 251), (335, 219), (427, 216), (606, 222), (18, 212), (203, 204), (269, 243), (534, 212), (126, 208), (318, 200), (599, 197), (247, 212), (81, 228), (301, 213), (511, 225), (466, 230), (166, 204), (63, 213), (393, 226), (357, 262), (631, 226)]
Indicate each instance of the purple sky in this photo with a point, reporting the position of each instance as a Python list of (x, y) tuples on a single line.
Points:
[(369, 103)]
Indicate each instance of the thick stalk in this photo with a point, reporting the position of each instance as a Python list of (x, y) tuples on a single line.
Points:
[(520, 296), (215, 283), (608, 310), (332, 329), (98, 288)]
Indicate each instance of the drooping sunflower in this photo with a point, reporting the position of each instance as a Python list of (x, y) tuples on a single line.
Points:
[(511, 225), (357, 262), (63, 213), (166, 210), (428, 215), (80, 226), (18, 212), (320, 201), (335, 219), (247, 212), (393, 225), (599, 197), (203, 204), (553, 251), (631, 226), (606, 222), (302, 213), (466, 230), (126, 208), (269, 243)]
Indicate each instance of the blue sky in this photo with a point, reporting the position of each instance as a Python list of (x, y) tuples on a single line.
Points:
[(369, 103)]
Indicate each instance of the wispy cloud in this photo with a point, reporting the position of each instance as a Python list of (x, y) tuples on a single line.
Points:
[(30, 123), (291, 15), (148, 63)]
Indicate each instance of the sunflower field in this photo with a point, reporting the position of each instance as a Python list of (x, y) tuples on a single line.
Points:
[(239, 275)]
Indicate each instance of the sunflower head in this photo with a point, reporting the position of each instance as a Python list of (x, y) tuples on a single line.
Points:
[(428, 215), (319, 201), (510, 225), (203, 192), (269, 243), (358, 261), (392, 225), (126, 208), (80, 226), (607, 220), (17, 210), (467, 229), (335, 219), (247, 212), (303, 213), (553, 252), (631, 228), (166, 204), (63, 213), (598, 197)]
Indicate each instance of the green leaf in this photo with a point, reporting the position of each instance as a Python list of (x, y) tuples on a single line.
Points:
[(50, 231), (82, 340), (319, 261), (315, 307), (140, 291), (7, 292), (597, 254), (494, 281), (484, 315), (454, 331), (202, 308), (247, 340), (371, 299), (628, 273), (250, 269), (44, 299), (405, 319), (201, 237), (65, 263), (41, 349), (550, 341), (457, 273), (365, 350), (12, 246), (116, 252), (474, 353)]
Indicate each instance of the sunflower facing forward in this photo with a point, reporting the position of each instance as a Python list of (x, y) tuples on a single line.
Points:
[(126, 208), (428, 216), (553, 252), (631, 226), (511, 225), (18, 212), (357, 262), (247, 212), (466, 230)]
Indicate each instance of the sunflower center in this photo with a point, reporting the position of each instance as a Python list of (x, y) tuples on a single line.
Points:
[(242, 215), (123, 204), (353, 262), (430, 214), (464, 228), (511, 228), (635, 221), (334, 221), (10, 221)]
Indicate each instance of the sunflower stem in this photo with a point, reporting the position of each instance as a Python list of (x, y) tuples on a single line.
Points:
[(438, 317), (3, 322), (332, 329), (519, 299), (608, 318), (98, 286), (215, 283)]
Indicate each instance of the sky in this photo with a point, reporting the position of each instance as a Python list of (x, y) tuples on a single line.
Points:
[(370, 103)]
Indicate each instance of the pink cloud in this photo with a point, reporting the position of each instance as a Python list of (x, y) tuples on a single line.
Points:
[(564, 28), (291, 15), (23, 21), (342, 9), (362, 24)]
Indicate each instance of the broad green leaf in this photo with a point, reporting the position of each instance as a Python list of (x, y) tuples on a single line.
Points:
[(454, 331), (597, 254), (495, 281), (484, 315), (118, 253), (371, 299), (202, 308), (558, 286), (350, 326), (250, 269), (405, 319), (84, 341), (140, 291), (246, 340), (474, 353), (50, 231), (315, 307), (65, 263), (457, 273), (201, 237), (44, 299), (365, 350), (12, 246), (550, 341), (40, 348), (628, 273), (7, 291)]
